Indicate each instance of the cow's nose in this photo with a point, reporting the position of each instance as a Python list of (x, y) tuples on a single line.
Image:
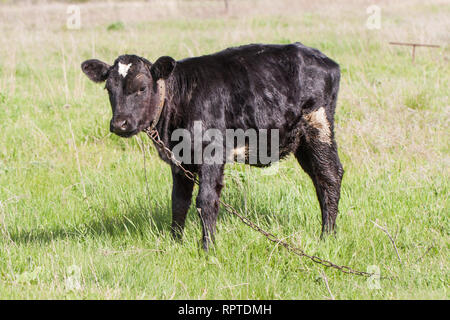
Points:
[(120, 125), (123, 125)]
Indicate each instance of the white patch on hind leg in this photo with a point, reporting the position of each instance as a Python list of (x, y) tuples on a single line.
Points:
[(318, 119), (123, 69), (239, 154)]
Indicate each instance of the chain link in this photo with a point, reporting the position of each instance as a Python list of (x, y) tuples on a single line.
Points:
[(154, 136)]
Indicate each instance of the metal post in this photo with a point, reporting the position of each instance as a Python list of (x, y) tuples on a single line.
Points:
[(414, 45)]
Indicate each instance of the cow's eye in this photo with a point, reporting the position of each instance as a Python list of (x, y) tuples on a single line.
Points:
[(142, 89)]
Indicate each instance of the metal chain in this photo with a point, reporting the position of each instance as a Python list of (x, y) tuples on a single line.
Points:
[(154, 136)]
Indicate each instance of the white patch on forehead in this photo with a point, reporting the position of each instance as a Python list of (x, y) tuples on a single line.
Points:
[(123, 69)]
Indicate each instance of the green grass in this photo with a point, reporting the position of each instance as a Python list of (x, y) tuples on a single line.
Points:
[(74, 197)]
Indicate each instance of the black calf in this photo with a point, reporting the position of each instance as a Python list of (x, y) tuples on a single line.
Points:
[(289, 88)]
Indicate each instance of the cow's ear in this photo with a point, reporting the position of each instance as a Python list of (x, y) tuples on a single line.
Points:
[(162, 68), (96, 70)]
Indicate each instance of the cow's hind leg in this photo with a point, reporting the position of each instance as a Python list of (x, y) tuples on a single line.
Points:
[(318, 156)]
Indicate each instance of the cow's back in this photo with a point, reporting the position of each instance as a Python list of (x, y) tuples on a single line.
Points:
[(258, 86)]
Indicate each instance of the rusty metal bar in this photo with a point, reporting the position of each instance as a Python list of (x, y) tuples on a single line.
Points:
[(414, 45)]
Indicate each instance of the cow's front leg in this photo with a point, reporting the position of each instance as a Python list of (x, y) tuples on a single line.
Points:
[(181, 200), (211, 183)]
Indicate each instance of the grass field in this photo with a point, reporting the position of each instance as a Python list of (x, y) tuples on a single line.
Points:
[(77, 221)]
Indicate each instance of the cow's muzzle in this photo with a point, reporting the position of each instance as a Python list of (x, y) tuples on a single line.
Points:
[(123, 126)]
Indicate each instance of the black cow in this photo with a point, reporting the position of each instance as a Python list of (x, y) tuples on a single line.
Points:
[(292, 88)]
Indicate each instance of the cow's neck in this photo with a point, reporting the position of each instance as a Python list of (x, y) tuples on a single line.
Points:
[(161, 90), (172, 115), (164, 121)]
